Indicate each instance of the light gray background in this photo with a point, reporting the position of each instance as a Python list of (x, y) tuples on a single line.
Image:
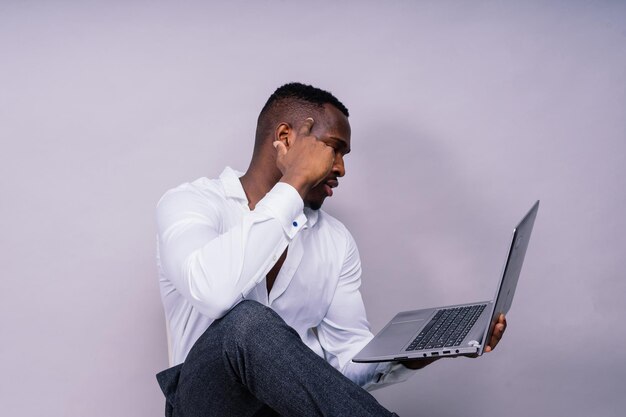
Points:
[(463, 114)]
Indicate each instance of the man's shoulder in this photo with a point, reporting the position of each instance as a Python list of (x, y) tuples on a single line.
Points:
[(202, 188), (226, 186)]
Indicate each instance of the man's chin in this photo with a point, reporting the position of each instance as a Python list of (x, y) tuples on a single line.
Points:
[(315, 198), (314, 205)]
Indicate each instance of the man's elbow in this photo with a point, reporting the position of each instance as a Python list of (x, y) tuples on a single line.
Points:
[(214, 306), (211, 296)]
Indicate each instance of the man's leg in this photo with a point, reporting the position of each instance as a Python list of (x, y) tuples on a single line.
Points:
[(250, 360)]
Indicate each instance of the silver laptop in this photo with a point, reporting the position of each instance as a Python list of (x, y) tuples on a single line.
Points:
[(453, 330)]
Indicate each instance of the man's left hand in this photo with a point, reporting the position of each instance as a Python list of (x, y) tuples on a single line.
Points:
[(498, 331)]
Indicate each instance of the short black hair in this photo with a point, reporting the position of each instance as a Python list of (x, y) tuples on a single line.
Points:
[(293, 99), (306, 93)]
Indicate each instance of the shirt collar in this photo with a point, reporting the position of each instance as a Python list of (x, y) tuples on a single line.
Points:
[(311, 216), (233, 189), (232, 186)]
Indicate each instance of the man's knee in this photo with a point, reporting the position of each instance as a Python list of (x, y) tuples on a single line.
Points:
[(250, 320)]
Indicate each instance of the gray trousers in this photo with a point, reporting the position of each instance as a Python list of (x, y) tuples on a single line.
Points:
[(250, 363)]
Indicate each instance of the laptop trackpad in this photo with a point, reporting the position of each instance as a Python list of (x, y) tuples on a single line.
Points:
[(397, 335), (406, 328)]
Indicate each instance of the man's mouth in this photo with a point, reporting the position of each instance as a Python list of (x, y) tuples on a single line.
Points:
[(329, 185)]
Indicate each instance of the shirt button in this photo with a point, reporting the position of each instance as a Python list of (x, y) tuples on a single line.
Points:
[(274, 257), (295, 224)]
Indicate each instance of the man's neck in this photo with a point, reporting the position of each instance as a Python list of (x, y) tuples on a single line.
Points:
[(257, 183)]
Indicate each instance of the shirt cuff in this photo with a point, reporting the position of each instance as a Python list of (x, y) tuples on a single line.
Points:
[(284, 203)]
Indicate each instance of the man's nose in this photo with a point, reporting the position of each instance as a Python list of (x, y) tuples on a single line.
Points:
[(338, 167)]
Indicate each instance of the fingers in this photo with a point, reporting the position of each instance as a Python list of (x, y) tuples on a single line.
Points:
[(304, 160), (498, 332), (281, 149), (499, 327), (305, 130)]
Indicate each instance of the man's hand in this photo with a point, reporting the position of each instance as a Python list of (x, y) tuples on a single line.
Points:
[(497, 332), (305, 161)]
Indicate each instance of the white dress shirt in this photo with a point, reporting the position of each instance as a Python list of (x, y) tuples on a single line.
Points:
[(213, 252)]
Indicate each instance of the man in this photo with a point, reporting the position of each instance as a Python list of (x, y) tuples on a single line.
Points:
[(261, 287)]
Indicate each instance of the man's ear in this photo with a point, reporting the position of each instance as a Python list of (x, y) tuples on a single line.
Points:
[(282, 133)]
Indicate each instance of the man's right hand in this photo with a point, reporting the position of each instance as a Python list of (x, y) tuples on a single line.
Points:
[(304, 160)]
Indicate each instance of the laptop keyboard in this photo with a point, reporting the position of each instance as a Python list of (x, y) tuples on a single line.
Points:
[(448, 328)]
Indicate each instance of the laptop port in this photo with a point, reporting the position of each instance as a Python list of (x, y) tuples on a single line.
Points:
[(446, 352), (434, 354)]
